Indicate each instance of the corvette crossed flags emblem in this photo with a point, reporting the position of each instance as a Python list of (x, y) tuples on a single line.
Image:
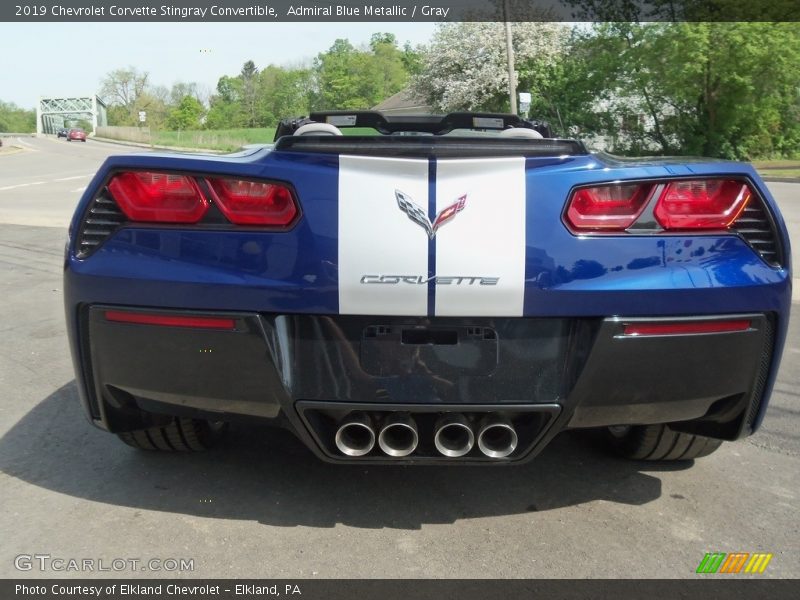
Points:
[(420, 216)]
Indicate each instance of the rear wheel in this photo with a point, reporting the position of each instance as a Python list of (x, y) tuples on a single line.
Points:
[(180, 435), (659, 442)]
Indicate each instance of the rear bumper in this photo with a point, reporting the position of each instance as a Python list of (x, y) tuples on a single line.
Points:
[(305, 372)]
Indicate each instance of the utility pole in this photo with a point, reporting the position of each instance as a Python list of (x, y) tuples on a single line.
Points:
[(512, 83)]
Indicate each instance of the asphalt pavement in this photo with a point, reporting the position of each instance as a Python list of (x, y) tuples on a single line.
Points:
[(261, 505)]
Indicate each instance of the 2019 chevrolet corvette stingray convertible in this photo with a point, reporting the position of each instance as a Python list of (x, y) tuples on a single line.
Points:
[(452, 289)]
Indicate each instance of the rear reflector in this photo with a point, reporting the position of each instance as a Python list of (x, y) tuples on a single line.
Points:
[(685, 327), (254, 202), (118, 316), (158, 197), (612, 207), (701, 203)]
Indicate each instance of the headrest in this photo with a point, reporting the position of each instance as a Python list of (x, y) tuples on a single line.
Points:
[(318, 129), (521, 132)]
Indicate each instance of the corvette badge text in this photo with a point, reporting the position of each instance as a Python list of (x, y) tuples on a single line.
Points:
[(423, 280)]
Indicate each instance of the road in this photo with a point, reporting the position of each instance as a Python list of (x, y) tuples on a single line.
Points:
[(263, 506)]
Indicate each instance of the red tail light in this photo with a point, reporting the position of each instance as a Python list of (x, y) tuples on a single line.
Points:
[(688, 204), (254, 202), (701, 203), (158, 197), (612, 207)]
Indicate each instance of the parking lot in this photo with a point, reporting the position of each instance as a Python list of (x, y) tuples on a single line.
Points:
[(261, 505)]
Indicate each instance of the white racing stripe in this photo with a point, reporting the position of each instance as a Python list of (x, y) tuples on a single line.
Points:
[(479, 251), (485, 239), (377, 238)]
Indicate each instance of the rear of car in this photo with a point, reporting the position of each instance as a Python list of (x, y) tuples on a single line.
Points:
[(441, 297), (76, 135)]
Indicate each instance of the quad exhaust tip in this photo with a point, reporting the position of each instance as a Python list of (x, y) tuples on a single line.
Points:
[(453, 435), (398, 436), (497, 437), (355, 435)]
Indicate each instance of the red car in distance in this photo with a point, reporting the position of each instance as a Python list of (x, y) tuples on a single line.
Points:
[(76, 135)]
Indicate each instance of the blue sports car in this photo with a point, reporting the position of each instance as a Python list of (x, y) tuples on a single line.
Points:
[(450, 289)]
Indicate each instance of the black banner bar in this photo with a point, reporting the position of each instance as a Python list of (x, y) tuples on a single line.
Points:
[(389, 11), (731, 587)]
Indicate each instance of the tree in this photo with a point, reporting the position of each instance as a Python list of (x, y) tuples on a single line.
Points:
[(737, 94), (225, 109), (358, 78), (14, 119), (390, 65), (412, 59), (464, 66), (127, 92), (155, 107), (715, 89), (123, 86), (186, 115), (567, 92), (339, 78), (182, 89), (249, 93), (283, 93)]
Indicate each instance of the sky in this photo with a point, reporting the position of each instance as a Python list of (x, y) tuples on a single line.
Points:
[(70, 59)]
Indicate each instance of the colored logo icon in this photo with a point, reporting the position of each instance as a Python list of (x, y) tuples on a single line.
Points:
[(734, 563)]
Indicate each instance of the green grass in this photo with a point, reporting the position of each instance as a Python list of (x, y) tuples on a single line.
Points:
[(229, 140), (780, 173), (777, 164), (778, 168), (226, 140)]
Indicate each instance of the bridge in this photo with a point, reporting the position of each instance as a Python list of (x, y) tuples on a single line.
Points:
[(54, 113)]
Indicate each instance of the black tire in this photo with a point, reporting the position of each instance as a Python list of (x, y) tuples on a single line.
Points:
[(180, 435), (659, 442)]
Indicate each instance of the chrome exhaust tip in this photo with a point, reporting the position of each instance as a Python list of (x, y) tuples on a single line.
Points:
[(398, 436), (454, 436), (355, 436), (497, 437)]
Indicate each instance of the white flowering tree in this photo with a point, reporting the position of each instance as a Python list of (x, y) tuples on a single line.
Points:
[(464, 67)]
